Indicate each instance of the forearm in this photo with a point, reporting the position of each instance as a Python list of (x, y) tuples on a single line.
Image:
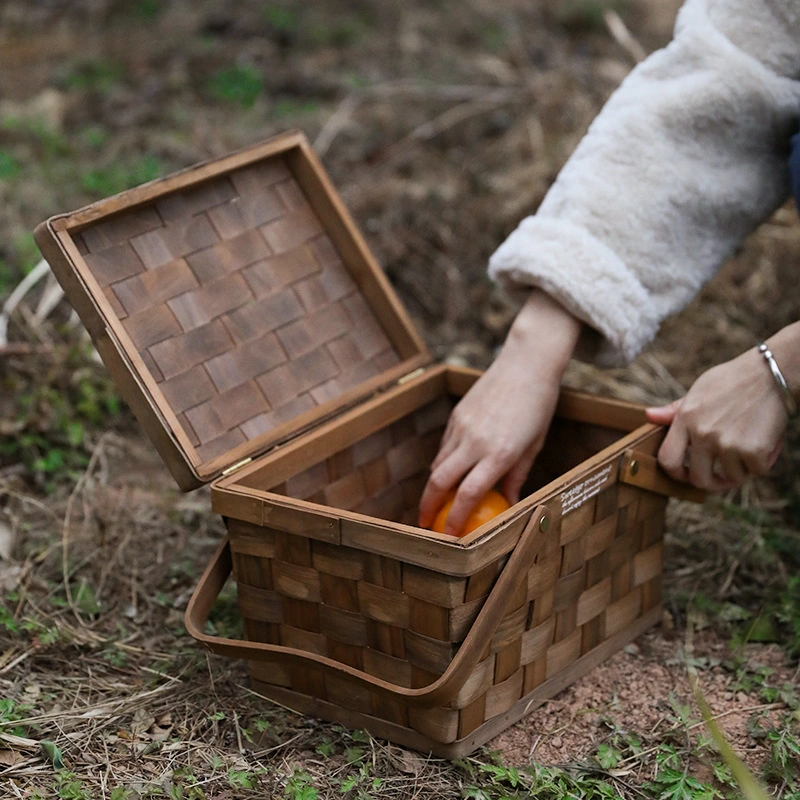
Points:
[(686, 158), (499, 426), (542, 338)]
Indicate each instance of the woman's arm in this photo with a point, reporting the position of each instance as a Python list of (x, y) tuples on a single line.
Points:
[(730, 424), (684, 161), (687, 157), (498, 428)]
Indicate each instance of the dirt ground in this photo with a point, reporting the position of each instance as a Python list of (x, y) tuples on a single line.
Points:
[(441, 124)]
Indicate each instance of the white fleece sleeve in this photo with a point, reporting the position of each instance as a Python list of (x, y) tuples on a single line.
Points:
[(687, 157)]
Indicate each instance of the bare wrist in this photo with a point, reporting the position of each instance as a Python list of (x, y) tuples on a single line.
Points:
[(545, 331), (785, 348)]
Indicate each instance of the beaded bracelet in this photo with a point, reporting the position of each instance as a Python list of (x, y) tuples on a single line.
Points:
[(786, 395)]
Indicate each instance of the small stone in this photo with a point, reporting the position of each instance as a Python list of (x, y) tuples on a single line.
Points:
[(632, 649)]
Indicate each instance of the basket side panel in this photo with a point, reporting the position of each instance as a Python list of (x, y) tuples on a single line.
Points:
[(592, 586), (381, 475)]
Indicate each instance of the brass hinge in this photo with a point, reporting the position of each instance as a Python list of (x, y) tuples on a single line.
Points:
[(238, 465), (411, 375)]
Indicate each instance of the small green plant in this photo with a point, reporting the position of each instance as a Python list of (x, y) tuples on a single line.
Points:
[(95, 136), (94, 76), (26, 252), (115, 657), (240, 84), (678, 784), (11, 713), (58, 405), (69, 787), (607, 756), (225, 619), (148, 9), (788, 614), (9, 166), (327, 748), (784, 757), (300, 786), (242, 779), (284, 21)]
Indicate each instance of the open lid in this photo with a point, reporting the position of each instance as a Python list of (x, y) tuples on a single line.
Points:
[(234, 303)]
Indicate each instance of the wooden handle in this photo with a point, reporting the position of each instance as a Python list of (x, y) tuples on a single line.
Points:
[(442, 689), (642, 470)]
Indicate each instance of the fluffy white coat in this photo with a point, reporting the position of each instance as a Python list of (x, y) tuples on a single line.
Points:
[(687, 157)]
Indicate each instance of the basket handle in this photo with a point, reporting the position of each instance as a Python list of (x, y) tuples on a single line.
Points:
[(442, 689), (642, 470)]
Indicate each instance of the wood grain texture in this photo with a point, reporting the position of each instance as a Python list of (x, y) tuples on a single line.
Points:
[(567, 609), (249, 273), (403, 602)]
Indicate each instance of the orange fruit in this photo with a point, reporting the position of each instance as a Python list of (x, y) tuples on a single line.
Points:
[(488, 507)]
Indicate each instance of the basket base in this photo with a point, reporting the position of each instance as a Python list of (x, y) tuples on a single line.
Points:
[(408, 737)]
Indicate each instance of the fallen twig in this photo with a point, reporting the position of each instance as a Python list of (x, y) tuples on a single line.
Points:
[(619, 30)]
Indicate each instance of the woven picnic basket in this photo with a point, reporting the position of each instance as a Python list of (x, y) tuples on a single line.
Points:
[(263, 350)]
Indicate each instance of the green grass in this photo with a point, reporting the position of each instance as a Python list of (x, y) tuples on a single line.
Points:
[(116, 177), (94, 76), (239, 85), (58, 412), (10, 167)]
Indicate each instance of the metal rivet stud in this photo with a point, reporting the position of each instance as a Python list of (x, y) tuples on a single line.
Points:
[(544, 523), (634, 466)]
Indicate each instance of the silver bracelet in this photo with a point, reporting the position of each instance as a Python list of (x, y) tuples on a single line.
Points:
[(787, 397)]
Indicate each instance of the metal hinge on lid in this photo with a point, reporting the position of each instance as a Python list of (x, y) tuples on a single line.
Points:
[(411, 375), (238, 465)]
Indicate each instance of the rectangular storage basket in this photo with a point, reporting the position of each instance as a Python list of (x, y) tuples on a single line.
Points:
[(263, 350)]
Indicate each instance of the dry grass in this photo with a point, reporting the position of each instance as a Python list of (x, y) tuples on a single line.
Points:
[(95, 571)]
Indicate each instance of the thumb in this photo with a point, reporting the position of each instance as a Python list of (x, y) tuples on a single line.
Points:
[(663, 415)]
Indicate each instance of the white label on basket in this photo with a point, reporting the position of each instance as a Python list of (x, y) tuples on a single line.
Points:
[(576, 496)]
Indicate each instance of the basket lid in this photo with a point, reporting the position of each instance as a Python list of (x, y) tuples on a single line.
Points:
[(235, 304)]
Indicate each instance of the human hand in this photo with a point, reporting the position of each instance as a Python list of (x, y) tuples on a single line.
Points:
[(499, 426), (729, 425)]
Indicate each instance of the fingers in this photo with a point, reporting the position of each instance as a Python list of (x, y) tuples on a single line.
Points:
[(701, 468), (663, 415), (671, 454), (477, 482), (698, 463), (453, 462), (518, 474), (729, 469), (443, 478)]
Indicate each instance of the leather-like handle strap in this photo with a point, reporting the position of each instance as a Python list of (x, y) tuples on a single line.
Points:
[(642, 470), (442, 689)]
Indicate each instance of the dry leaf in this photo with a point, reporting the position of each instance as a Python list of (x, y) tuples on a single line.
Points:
[(142, 721), (10, 758), (410, 763)]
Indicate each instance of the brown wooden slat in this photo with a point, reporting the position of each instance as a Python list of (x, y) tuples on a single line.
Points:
[(472, 717), (383, 605), (190, 269)]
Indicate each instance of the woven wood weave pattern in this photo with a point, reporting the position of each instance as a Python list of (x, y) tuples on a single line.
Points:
[(238, 304), (598, 573), (383, 474)]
